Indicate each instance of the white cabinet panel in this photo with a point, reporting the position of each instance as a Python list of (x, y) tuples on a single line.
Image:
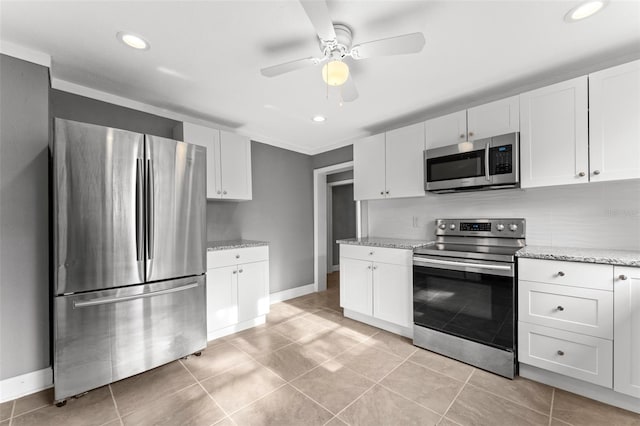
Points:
[(576, 355), (377, 254), (575, 274), (392, 297), (222, 298), (235, 167), (493, 119), (369, 166), (210, 139), (627, 331), (253, 294), (554, 137), (355, 285), (614, 123), (446, 130), (405, 168)]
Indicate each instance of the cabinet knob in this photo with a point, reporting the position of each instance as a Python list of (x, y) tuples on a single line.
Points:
[(560, 308), (561, 274), (370, 253), (369, 267), (219, 192), (375, 267), (224, 192), (596, 172), (561, 353), (237, 256), (240, 271), (381, 192), (462, 136), (581, 174), (386, 192), (470, 134), (234, 272), (623, 277)]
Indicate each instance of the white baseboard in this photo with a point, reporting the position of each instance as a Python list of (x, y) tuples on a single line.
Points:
[(25, 384), (215, 334), (589, 390), (292, 293), (390, 327)]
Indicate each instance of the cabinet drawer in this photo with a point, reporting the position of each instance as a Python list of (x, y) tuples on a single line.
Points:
[(377, 254), (576, 355), (219, 258), (580, 310), (576, 274)]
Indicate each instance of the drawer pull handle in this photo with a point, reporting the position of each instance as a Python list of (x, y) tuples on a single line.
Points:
[(560, 308), (623, 277), (369, 267), (561, 274), (237, 256), (370, 253), (561, 353), (375, 267)]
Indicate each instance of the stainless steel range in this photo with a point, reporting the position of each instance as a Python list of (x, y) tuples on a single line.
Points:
[(464, 292)]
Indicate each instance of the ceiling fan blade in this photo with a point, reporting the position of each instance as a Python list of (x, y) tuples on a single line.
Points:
[(318, 13), (288, 67), (400, 45), (348, 90)]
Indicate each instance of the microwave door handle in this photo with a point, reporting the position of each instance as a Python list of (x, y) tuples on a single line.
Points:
[(486, 161)]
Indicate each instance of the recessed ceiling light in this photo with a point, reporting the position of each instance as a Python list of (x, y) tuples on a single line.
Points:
[(318, 118), (584, 10), (133, 40)]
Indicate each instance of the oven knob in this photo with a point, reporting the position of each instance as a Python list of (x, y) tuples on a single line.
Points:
[(443, 226), (500, 227), (513, 227), (452, 226)]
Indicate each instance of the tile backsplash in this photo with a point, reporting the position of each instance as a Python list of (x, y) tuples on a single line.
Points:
[(603, 214)]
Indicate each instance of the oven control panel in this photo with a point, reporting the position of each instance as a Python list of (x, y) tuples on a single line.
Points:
[(504, 228)]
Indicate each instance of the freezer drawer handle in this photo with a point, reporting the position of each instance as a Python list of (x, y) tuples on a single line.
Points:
[(106, 300)]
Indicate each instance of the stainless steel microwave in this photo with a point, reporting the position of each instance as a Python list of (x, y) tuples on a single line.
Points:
[(490, 163)]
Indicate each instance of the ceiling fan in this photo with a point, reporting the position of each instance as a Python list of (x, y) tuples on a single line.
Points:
[(336, 45)]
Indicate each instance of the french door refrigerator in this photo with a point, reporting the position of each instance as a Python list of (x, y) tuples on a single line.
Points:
[(129, 254)]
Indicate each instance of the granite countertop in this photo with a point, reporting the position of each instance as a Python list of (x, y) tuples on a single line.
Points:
[(586, 255), (397, 243), (234, 244)]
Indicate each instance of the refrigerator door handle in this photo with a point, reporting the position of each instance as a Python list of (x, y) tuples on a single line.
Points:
[(139, 210), (150, 209), (107, 300)]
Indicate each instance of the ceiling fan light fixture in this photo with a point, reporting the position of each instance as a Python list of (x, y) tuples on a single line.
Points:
[(335, 73), (585, 10)]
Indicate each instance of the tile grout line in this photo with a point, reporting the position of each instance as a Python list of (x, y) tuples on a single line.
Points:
[(13, 409), (205, 390), (113, 398), (507, 399), (553, 395), (458, 394)]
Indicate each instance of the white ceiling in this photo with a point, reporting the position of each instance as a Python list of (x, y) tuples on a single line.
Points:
[(205, 57)]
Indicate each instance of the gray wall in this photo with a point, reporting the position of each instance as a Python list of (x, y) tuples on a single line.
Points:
[(335, 156), (343, 217), (281, 213), (337, 177), (24, 218), (78, 108)]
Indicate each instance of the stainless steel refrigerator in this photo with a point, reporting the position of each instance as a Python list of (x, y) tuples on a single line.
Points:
[(129, 254)]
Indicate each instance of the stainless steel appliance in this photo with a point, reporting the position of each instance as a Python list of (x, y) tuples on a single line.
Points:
[(129, 253), (491, 163), (464, 292)]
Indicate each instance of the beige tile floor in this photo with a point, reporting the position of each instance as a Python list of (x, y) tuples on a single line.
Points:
[(311, 366)]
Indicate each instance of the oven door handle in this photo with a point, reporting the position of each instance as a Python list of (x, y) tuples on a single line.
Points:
[(420, 260)]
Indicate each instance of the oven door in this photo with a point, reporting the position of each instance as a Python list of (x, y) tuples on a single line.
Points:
[(457, 166), (467, 298)]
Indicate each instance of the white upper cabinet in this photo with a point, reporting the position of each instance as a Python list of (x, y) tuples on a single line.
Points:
[(449, 129), (228, 161), (493, 119), (389, 165), (614, 123), (553, 135)]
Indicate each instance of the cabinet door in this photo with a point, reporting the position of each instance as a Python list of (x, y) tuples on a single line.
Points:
[(626, 333), (222, 298), (392, 293), (235, 166), (369, 168), (494, 119), (553, 140), (253, 290), (355, 285), (614, 123), (446, 130), (404, 161), (210, 139)]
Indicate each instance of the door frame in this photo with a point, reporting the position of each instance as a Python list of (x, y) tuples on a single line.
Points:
[(330, 185), (320, 221)]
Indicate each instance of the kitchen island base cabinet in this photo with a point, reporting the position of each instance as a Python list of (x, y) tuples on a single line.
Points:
[(237, 293), (626, 343), (376, 287)]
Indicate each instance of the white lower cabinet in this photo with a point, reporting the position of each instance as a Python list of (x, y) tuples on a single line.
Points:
[(377, 282), (237, 293), (581, 320), (626, 343)]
